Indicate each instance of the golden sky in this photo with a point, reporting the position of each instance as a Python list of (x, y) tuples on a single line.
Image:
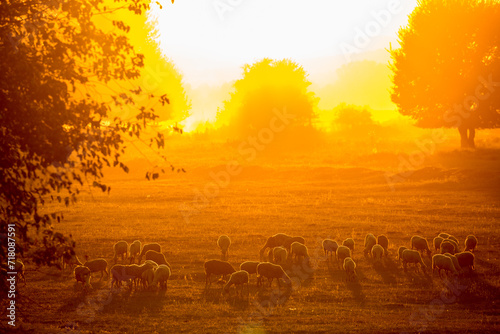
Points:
[(209, 40)]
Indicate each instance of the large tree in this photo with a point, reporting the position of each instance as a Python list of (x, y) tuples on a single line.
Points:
[(57, 131), (447, 69), (268, 85)]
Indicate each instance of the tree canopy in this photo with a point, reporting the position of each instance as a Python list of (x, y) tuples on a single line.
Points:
[(447, 69), (62, 73), (265, 86)]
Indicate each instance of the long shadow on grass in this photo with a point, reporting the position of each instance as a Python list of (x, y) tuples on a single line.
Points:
[(386, 269), (357, 291)]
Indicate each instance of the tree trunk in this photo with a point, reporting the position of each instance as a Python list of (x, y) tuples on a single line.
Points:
[(467, 135)]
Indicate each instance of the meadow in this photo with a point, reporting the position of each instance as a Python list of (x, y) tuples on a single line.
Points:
[(455, 192)]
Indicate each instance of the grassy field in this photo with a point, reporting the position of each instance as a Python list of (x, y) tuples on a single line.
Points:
[(186, 213)]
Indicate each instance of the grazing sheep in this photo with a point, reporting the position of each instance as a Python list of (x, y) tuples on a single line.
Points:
[(237, 278), (420, 244), (82, 274), (135, 249), (270, 255), (147, 247), (299, 251), (412, 256), (455, 244), (349, 243), (453, 238), (280, 254), (384, 242), (121, 249), (161, 275), (400, 252), (250, 267), (447, 246), (370, 241), (437, 243), (330, 246), (19, 269), (272, 271), (157, 257), (147, 277), (454, 260), (121, 273), (288, 243), (279, 239), (217, 267), (443, 262), (470, 243), (98, 265), (224, 242), (465, 260), (378, 252), (350, 268), (444, 235), (342, 253)]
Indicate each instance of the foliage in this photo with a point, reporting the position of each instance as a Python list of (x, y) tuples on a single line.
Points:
[(265, 86), (57, 131), (449, 51)]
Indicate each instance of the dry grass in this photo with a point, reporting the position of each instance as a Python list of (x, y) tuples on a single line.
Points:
[(314, 202)]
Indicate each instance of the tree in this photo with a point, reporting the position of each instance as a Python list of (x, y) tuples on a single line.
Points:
[(57, 131), (446, 71), (265, 86)]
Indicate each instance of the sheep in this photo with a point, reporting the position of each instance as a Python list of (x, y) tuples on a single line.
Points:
[(272, 271), (121, 249), (330, 246), (250, 267), (19, 269), (412, 256), (470, 243), (384, 242), (82, 274), (437, 243), (454, 260), (119, 273), (224, 242), (237, 278), (157, 257), (161, 275), (279, 239), (217, 267), (447, 246), (288, 243), (444, 235), (350, 269), (454, 243), (378, 252), (147, 247), (147, 277), (270, 255), (299, 251), (370, 241), (400, 252), (280, 254), (342, 253), (349, 243), (465, 260), (443, 262), (453, 238), (98, 265), (135, 249), (420, 244)]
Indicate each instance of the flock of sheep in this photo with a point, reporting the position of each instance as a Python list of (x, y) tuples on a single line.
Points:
[(283, 251)]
